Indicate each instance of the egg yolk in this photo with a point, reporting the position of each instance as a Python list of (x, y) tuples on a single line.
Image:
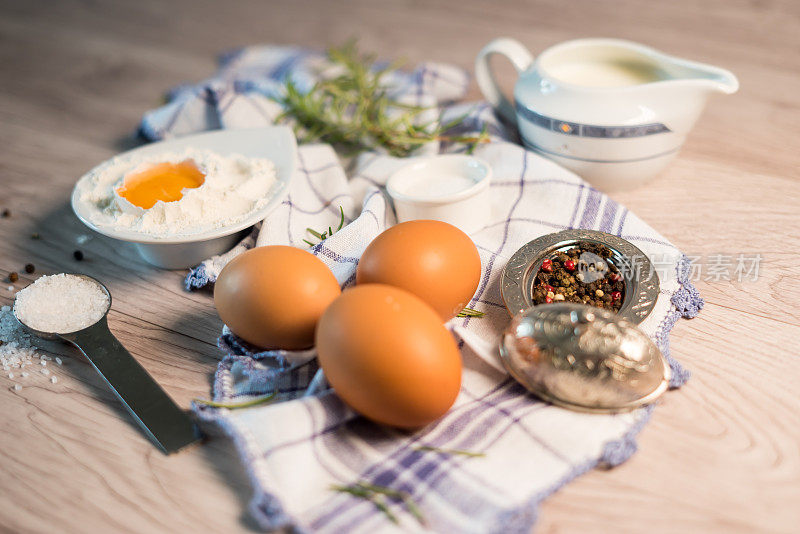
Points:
[(162, 181)]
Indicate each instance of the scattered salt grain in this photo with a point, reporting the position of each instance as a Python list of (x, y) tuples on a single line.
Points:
[(61, 303), (10, 288), (53, 379), (58, 360), (82, 239), (16, 349)]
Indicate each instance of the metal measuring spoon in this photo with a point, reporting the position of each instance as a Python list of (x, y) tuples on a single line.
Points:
[(162, 420)]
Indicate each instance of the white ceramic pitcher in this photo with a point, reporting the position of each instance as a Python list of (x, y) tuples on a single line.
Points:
[(613, 111)]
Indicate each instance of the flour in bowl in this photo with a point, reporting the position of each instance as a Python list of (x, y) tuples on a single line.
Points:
[(178, 193)]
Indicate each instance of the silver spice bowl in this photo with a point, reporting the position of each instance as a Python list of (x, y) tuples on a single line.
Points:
[(639, 277), (584, 358)]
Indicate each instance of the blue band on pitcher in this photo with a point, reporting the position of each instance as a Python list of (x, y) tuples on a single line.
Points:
[(588, 130), (541, 150)]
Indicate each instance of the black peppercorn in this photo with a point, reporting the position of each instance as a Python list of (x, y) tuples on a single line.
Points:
[(13, 277), (78, 255), (6, 213), (29, 268)]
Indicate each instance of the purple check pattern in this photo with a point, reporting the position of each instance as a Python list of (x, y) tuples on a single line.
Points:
[(296, 449)]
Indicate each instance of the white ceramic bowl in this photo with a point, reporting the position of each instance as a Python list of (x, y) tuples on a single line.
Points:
[(276, 143), (414, 190)]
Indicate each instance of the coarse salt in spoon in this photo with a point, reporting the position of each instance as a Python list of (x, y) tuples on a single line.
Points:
[(74, 309)]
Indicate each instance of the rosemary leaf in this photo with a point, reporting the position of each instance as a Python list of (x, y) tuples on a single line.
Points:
[(469, 312), (412, 507), (352, 490), (381, 505), (484, 134), (389, 492), (325, 235), (459, 452), (341, 221), (315, 233), (375, 493), (368, 495), (237, 405), (414, 510)]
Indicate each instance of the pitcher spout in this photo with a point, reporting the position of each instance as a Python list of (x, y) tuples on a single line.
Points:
[(704, 76)]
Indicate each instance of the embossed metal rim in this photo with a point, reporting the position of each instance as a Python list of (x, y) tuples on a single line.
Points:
[(641, 293)]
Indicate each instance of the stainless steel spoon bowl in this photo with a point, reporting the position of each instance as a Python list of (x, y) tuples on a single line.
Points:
[(583, 358), (169, 427)]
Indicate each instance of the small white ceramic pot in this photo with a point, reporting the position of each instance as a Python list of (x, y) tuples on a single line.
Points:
[(452, 188)]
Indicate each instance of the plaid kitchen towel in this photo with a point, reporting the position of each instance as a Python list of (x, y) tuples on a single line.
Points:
[(296, 450)]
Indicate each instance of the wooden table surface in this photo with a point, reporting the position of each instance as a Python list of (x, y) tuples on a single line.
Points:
[(720, 455)]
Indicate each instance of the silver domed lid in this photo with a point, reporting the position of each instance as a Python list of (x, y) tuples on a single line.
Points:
[(583, 358)]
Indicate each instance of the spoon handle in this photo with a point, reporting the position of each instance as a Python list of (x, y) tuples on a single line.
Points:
[(162, 420)]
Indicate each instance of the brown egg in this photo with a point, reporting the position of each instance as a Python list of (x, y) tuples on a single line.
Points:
[(434, 260), (388, 355), (273, 296)]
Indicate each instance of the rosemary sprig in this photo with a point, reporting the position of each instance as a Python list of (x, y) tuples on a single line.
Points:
[(469, 312), (375, 494), (368, 495), (329, 232), (237, 405), (459, 452), (483, 135), (354, 111), (411, 506)]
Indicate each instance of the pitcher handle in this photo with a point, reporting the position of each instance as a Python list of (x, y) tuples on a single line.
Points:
[(519, 57)]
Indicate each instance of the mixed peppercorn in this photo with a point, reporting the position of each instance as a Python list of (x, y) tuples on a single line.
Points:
[(583, 274)]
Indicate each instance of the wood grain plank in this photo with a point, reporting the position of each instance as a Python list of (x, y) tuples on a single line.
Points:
[(721, 454)]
